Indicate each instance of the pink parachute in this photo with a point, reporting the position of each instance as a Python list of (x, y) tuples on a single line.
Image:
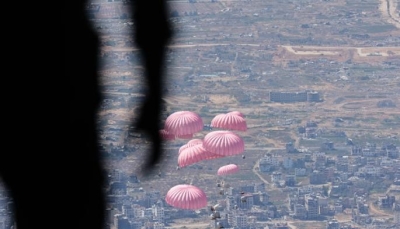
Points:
[(186, 196), (224, 143), (237, 113), (228, 169), (191, 143), (195, 154), (183, 124), (229, 121), (165, 135)]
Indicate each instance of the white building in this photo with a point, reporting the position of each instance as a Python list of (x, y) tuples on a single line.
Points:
[(240, 221), (158, 213), (370, 170)]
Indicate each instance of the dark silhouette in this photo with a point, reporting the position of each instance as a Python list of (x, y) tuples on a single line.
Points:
[(65, 190), (152, 32)]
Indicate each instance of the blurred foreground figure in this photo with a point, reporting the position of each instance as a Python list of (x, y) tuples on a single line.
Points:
[(66, 189), (152, 34)]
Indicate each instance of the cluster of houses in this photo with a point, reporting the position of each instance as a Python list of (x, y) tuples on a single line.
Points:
[(149, 210), (337, 184), (340, 184)]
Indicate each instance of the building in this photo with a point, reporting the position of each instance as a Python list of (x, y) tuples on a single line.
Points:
[(313, 96), (329, 173), (117, 188), (121, 222), (396, 213), (268, 163), (317, 177), (290, 180), (319, 159), (110, 213), (290, 147), (240, 220), (248, 188), (370, 170), (148, 213), (287, 162), (332, 224), (291, 97), (338, 208), (312, 207), (151, 198), (276, 177), (323, 206), (327, 146), (288, 97), (295, 200), (260, 198), (245, 202), (127, 210), (300, 211), (386, 201), (136, 225), (116, 175), (138, 211), (310, 132), (299, 172), (230, 203), (158, 213)]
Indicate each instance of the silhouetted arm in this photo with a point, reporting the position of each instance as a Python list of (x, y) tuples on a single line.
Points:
[(152, 34)]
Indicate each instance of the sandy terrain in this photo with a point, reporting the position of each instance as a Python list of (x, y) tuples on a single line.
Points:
[(388, 10)]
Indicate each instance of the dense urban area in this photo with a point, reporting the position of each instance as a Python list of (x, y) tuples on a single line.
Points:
[(318, 84)]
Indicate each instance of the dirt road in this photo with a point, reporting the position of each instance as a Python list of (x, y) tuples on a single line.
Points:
[(377, 212), (256, 166), (388, 10), (320, 50)]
